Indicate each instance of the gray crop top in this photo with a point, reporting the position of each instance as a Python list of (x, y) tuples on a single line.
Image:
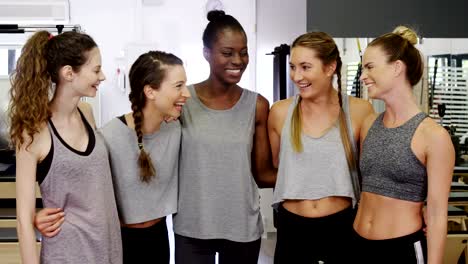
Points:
[(320, 170), (139, 201), (388, 165)]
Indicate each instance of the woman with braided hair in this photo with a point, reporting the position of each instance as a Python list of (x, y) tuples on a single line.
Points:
[(313, 137), (144, 154)]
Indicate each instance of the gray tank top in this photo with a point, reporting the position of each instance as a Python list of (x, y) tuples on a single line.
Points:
[(320, 170), (218, 196), (139, 201), (82, 186), (397, 172)]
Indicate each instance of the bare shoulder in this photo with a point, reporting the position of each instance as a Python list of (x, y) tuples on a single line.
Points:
[(39, 145), (87, 111), (262, 102), (369, 120), (359, 102), (278, 113), (360, 107), (281, 107), (434, 134)]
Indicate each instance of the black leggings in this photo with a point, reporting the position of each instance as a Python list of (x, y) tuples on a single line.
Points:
[(409, 249), (310, 240), (146, 245), (202, 251)]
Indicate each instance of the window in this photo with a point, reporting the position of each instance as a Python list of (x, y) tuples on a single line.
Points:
[(8, 57), (450, 89)]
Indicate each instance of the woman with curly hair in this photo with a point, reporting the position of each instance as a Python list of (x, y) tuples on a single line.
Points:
[(56, 145)]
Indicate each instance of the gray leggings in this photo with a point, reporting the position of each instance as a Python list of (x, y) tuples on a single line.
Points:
[(202, 251)]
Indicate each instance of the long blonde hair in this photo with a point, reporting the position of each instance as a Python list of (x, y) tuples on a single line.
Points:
[(327, 52)]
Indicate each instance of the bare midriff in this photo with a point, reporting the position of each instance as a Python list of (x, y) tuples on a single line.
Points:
[(381, 217), (317, 208), (143, 224)]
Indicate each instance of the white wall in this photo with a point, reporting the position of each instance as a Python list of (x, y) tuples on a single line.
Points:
[(110, 23)]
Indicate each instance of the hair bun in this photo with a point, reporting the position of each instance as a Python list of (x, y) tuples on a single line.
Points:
[(215, 14), (407, 34)]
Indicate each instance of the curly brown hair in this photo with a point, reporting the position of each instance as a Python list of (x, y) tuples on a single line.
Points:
[(148, 69), (31, 84)]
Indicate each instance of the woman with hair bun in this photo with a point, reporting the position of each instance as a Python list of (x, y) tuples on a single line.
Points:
[(224, 155), (406, 159)]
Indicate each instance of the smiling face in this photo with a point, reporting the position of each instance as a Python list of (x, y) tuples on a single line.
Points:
[(228, 57), (309, 73), (85, 82), (172, 94), (377, 74)]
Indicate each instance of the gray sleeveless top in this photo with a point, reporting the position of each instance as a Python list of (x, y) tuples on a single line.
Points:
[(320, 170), (82, 186), (139, 201), (218, 196), (388, 165)]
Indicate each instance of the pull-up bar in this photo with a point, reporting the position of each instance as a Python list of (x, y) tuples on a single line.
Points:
[(21, 29)]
